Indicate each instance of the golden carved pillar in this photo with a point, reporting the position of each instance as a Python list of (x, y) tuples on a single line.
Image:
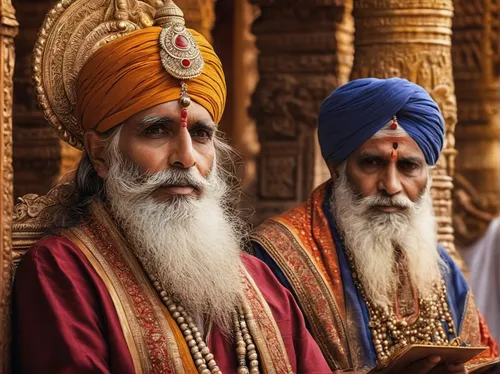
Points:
[(305, 52), (40, 157), (475, 66), (412, 39), (8, 30)]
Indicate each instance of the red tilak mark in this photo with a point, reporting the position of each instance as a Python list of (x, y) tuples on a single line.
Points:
[(184, 113), (394, 154), (395, 145)]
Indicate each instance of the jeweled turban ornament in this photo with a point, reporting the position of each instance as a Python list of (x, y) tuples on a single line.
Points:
[(179, 53)]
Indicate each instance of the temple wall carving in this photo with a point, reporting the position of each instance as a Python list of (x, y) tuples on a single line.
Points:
[(475, 51), (305, 52), (40, 158), (412, 39), (8, 30)]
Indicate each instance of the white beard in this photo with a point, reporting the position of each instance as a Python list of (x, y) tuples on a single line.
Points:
[(191, 244), (373, 237)]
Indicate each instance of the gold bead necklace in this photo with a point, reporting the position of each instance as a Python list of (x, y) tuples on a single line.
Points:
[(390, 334)]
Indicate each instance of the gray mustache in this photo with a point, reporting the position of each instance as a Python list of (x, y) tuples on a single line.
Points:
[(388, 201), (175, 177)]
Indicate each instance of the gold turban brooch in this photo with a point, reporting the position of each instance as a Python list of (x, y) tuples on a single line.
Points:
[(94, 71)]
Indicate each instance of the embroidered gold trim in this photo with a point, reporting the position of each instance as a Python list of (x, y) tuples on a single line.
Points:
[(302, 295), (116, 296), (261, 342), (159, 310)]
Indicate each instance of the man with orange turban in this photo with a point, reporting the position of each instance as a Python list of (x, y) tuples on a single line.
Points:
[(144, 272)]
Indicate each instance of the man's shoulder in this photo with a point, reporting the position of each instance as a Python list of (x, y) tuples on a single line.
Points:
[(298, 218), (274, 228), (263, 277), (56, 245), (252, 264), (53, 254)]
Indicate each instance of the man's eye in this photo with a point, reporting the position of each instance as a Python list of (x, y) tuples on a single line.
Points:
[(155, 130), (409, 165), (200, 134), (370, 162)]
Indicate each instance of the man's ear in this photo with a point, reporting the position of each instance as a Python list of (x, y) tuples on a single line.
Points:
[(332, 166), (96, 150)]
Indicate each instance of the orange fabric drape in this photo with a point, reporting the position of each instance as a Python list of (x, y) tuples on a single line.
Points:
[(126, 76)]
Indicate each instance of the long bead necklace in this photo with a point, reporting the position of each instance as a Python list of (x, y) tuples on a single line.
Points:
[(390, 333), (203, 359)]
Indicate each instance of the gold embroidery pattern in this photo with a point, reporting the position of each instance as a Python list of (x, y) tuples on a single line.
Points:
[(302, 253), (264, 329), (154, 338)]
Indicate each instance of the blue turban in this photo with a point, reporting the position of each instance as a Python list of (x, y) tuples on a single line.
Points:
[(355, 111)]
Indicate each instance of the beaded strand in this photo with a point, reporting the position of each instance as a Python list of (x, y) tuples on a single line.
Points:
[(203, 359)]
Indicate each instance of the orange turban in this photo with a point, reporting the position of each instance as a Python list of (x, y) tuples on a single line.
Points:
[(126, 76)]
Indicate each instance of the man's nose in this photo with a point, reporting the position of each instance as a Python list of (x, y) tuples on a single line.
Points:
[(389, 181), (182, 155)]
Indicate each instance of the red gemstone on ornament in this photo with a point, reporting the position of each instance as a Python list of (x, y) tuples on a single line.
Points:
[(186, 63), (181, 42), (184, 113), (394, 125)]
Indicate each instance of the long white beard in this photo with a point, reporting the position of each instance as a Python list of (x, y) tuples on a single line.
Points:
[(373, 237), (191, 244)]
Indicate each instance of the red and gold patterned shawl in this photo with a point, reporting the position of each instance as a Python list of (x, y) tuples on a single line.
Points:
[(300, 242), (155, 341)]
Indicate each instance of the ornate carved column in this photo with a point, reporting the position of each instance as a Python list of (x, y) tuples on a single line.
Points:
[(305, 52), (412, 39), (8, 30), (475, 65), (39, 156)]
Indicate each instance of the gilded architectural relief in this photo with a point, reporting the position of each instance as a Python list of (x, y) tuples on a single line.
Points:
[(8, 30), (305, 52), (39, 156), (412, 40), (475, 49)]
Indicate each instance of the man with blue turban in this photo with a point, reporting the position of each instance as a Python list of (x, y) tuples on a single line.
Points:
[(361, 255)]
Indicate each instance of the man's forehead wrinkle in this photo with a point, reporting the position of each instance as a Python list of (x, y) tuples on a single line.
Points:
[(382, 152), (406, 141)]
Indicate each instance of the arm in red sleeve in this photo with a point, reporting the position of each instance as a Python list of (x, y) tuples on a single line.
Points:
[(303, 351), (63, 317)]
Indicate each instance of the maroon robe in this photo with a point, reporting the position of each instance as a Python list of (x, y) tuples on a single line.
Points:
[(65, 320)]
